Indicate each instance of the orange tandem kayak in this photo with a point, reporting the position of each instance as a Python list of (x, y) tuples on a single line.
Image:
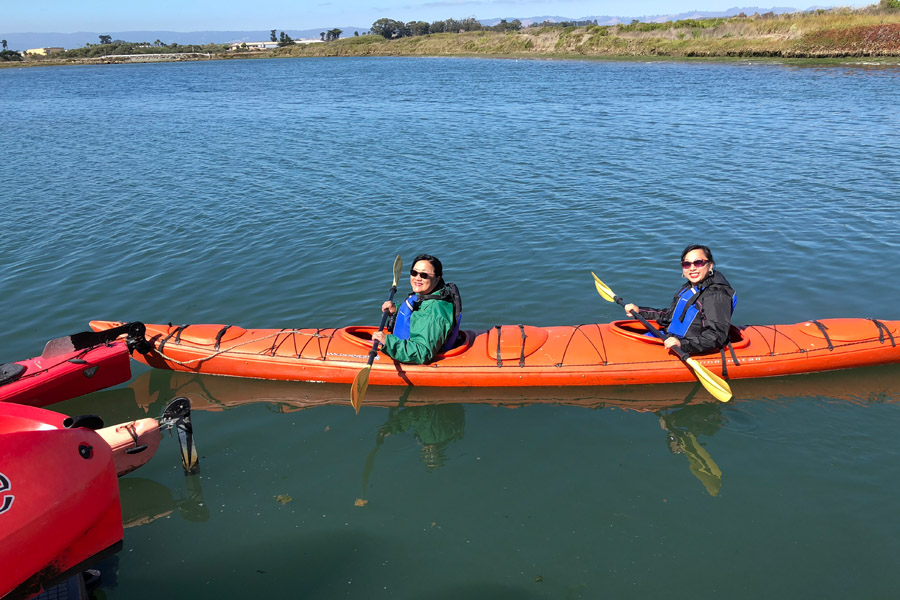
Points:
[(616, 353)]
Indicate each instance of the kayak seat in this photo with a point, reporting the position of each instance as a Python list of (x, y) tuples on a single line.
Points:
[(11, 372), (361, 335), (463, 341)]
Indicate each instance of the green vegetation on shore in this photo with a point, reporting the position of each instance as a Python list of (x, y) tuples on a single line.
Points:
[(870, 32), (835, 33), (119, 47)]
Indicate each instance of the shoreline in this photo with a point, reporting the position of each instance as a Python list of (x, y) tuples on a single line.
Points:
[(838, 36), (862, 61)]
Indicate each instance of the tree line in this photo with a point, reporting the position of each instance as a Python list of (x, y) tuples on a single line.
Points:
[(285, 40), (108, 45), (391, 28), (6, 54)]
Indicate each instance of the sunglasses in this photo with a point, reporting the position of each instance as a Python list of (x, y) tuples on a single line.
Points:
[(700, 262), (422, 274)]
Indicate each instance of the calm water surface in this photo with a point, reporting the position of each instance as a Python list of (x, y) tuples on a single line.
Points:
[(277, 193)]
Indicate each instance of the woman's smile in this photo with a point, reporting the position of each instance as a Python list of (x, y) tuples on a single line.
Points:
[(422, 278), (697, 266)]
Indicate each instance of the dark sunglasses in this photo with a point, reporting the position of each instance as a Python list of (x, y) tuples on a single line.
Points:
[(422, 274), (700, 262)]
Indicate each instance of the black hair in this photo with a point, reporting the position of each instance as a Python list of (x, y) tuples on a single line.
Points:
[(435, 263), (693, 247)]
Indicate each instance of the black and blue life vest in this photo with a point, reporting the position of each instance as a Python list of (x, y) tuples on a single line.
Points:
[(686, 311), (449, 293)]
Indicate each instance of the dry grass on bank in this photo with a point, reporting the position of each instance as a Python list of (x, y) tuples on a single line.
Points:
[(822, 34), (832, 33)]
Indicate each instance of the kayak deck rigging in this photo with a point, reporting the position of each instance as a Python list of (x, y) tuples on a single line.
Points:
[(517, 355)]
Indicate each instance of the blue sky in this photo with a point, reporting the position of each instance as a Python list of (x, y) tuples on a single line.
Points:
[(68, 16)]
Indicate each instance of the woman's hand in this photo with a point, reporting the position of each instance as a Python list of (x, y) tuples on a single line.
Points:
[(672, 341), (379, 335), (631, 309), (388, 307)]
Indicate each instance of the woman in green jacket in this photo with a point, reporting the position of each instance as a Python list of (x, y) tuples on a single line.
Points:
[(425, 322)]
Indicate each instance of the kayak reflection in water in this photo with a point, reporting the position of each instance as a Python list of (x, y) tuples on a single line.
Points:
[(683, 425), (699, 318)]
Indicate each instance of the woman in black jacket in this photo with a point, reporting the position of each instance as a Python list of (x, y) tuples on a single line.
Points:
[(699, 318)]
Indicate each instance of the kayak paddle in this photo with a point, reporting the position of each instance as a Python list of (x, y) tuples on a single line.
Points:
[(177, 415), (714, 385), (361, 381), (89, 339)]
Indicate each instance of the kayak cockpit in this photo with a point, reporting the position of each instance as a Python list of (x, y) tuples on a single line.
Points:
[(635, 330), (361, 335)]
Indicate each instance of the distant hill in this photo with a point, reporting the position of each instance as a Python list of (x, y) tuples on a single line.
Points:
[(23, 41)]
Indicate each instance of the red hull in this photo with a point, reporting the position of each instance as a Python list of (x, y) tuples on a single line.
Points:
[(46, 381), (62, 516)]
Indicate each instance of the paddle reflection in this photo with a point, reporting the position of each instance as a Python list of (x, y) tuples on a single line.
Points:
[(682, 426), (146, 500), (434, 427)]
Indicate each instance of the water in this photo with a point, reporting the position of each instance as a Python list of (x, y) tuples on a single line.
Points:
[(277, 193)]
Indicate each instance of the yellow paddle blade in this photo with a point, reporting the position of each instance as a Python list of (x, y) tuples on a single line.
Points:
[(360, 383), (398, 266), (603, 289), (714, 384), (702, 465)]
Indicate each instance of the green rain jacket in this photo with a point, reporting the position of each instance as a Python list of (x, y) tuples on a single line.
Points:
[(429, 327)]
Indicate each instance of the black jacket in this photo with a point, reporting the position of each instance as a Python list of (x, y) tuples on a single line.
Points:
[(709, 331)]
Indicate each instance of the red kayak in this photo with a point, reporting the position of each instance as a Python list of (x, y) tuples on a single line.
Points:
[(61, 517), (69, 367), (56, 520)]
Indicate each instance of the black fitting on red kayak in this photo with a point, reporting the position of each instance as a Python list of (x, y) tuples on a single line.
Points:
[(87, 421), (137, 338), (10, 372)]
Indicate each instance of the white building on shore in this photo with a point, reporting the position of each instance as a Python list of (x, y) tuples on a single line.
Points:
[(253, 45), (265, 45)]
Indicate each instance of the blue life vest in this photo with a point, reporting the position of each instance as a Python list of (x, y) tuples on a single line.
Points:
[(686, 311), (404, 317), (404, 314)]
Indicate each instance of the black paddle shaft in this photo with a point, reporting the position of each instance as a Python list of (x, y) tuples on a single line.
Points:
[(384, 317), (674, 349)]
